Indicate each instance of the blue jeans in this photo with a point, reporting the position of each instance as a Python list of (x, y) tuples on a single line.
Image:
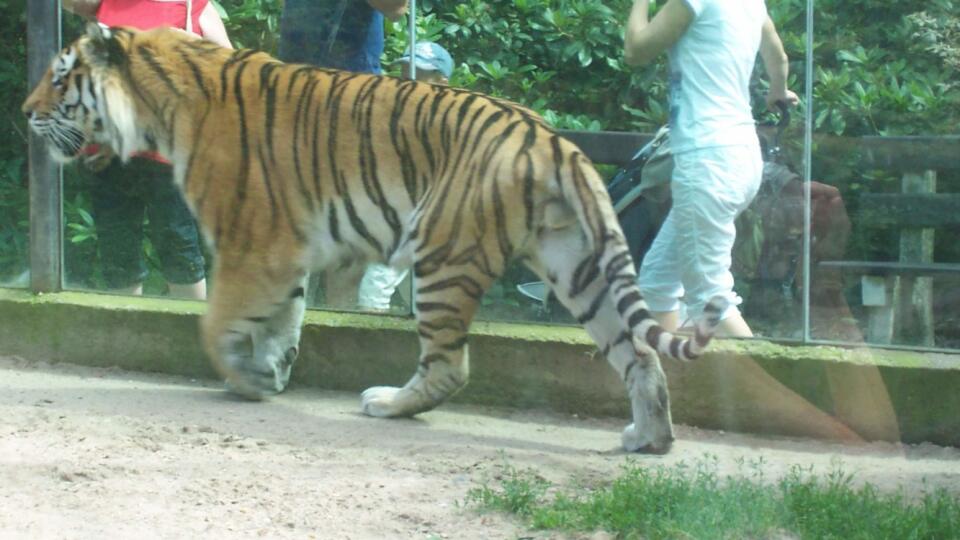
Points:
[(122, 196), (340, 34)]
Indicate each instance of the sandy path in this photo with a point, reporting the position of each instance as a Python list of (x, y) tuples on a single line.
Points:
[(94, 453)]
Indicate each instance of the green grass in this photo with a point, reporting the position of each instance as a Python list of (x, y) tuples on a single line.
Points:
[(696, 502)]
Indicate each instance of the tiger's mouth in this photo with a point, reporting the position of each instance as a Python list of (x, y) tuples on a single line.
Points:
[(65, 142)]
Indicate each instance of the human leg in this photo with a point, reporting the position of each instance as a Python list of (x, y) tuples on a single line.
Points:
[(174, 233), (196, 291), (118, 214), (658, 276), (711, 187)]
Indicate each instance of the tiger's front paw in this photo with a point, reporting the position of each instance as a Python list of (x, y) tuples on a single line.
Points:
[(256, 384), (239, 387), (258, 375), (381, 401)]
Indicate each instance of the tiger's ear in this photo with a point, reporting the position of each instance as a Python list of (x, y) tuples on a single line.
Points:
[(102, 49)]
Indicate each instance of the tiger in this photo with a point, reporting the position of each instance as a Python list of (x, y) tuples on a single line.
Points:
[(291, 169)]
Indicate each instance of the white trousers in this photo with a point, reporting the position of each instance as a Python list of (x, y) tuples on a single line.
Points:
[(377, 286), (691, 255)]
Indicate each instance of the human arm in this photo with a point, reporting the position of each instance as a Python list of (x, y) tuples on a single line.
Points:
[(391, 9), (775, 61), (84, 8), (211, 26), (644, 39)]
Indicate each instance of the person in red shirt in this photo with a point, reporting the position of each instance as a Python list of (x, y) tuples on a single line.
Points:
[(123, 194), (146, 14)]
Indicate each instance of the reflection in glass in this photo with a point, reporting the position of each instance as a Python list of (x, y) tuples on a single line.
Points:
[(881, 263), (885, 139)]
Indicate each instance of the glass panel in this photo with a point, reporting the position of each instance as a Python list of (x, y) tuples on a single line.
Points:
[(14, 195), (767, 258), (354, 37), (566, 63), (887, 211)]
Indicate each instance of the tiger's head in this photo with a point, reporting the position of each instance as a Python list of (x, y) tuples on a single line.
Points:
[(83, 99)]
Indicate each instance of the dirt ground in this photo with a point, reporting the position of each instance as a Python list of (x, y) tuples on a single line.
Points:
[(102, 453)]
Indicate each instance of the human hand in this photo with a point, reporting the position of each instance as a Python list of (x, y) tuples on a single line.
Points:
[(786, 96), (99, 160), (391, 9)]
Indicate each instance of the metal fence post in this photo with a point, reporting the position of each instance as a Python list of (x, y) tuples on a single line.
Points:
[(46, 230), (807, 167)]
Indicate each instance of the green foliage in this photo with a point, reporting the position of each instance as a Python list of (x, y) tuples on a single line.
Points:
[(696, 501), (14, 216), (873, 74), (561, 58), (252, 24)]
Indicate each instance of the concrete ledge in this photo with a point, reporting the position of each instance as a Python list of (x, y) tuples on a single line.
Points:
[(516, 365)]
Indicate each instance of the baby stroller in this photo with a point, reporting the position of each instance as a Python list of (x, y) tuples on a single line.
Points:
[(766, 256)]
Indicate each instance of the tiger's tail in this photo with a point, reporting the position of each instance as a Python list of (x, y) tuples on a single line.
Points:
[(582, 188)]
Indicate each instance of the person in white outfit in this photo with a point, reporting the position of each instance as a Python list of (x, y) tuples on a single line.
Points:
[(712, 46)]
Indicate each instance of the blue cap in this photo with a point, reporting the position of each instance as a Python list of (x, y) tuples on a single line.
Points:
[(430, 57)]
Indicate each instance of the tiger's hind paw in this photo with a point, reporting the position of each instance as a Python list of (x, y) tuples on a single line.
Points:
[(635, 441), (381, 401), (391, 402)]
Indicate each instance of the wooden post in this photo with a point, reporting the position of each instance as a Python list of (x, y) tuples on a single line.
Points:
[(46, 223), (914, 296), (879, 298)]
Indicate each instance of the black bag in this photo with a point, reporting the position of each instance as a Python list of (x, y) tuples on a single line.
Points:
[(640, 193)]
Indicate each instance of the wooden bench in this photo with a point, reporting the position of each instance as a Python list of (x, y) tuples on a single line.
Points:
[(898, 295)]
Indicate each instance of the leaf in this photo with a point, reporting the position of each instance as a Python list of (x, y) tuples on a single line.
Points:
[(584, 57), (87, 218), (848, 56), (222, 12)]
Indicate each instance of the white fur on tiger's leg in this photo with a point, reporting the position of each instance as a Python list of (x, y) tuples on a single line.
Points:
[(559, 255), (276, 342), (440, 374), (252, 332), (446, 299)]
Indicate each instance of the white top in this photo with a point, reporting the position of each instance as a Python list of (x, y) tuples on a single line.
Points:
[(710, 68)]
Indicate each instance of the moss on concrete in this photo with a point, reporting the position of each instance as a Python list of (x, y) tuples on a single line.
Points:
[(519, 365)]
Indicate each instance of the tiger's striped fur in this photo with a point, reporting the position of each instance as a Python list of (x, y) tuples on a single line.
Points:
[(291, 169)]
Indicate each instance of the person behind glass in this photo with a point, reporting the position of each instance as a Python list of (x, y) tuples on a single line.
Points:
[(347, 35), (340, 34), (712, 46), (433, 63), (123, 192)]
